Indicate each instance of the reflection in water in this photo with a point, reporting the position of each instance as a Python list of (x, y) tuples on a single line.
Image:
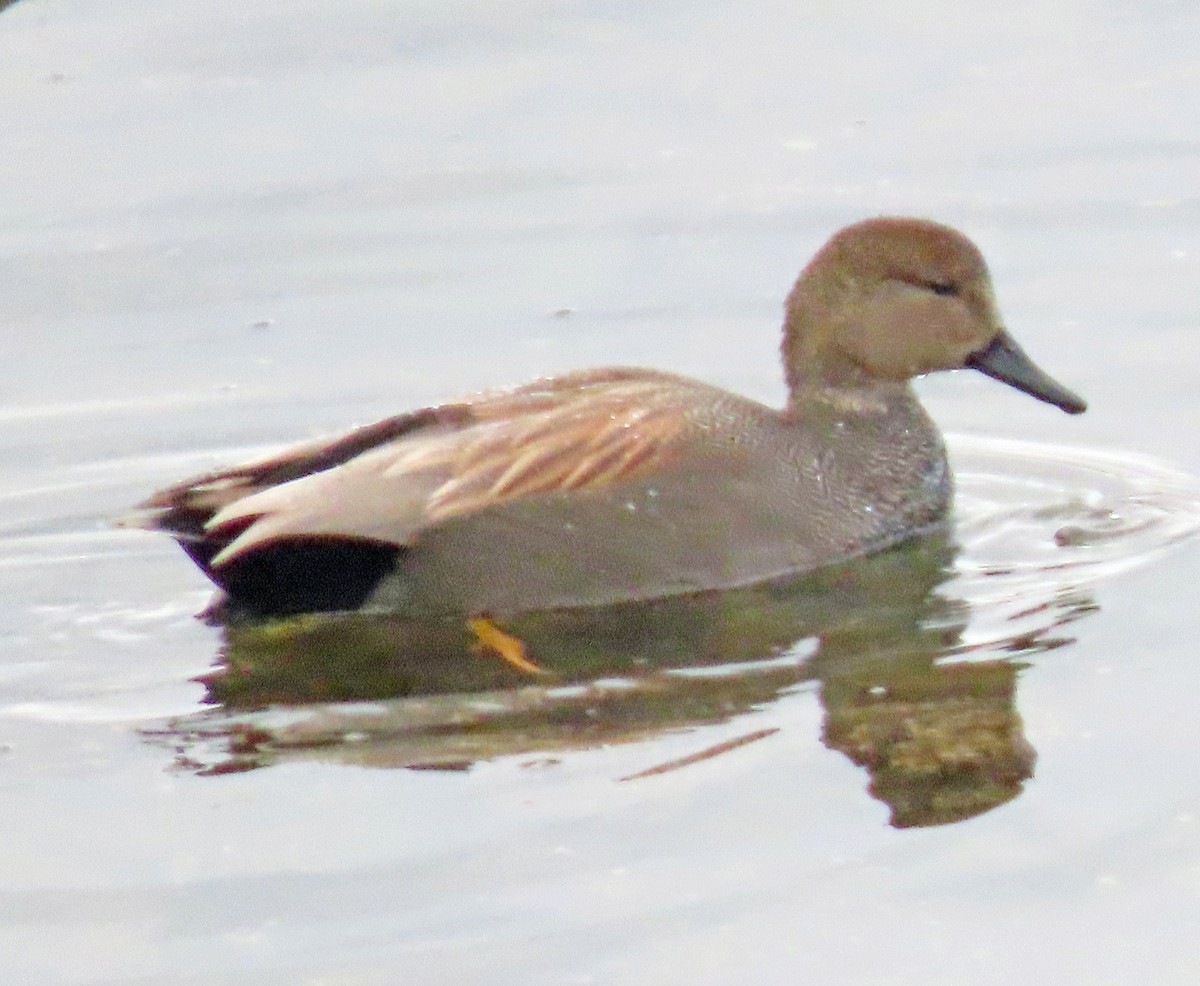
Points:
[(941, 742), (914, 654)]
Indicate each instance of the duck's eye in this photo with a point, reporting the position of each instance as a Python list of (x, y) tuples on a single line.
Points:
[(943, 288)]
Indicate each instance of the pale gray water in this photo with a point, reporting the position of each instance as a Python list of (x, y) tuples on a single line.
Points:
[(224, 226)]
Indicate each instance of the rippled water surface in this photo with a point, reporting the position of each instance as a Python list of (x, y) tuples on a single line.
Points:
[(223, 228)]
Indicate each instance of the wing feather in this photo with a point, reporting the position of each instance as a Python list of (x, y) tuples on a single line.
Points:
[(568, 434)]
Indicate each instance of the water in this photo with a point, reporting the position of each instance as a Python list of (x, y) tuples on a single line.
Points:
[(222, 229)]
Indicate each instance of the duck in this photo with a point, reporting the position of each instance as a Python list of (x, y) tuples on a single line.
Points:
[(621, 484)]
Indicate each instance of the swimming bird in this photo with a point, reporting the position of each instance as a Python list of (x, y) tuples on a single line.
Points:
[(618, 484)]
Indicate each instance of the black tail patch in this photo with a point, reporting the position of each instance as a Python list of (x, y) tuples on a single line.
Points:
[(305, 575)]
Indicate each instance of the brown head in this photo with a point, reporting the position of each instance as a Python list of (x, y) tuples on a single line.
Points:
[(892, 298)]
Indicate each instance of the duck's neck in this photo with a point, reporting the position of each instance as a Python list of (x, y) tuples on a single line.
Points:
[(810, 322), (816, 371), (862, 399)]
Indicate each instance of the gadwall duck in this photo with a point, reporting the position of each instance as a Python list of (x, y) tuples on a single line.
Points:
[(620, 484)]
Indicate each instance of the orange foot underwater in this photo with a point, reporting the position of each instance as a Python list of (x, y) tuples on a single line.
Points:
[(491, 639)]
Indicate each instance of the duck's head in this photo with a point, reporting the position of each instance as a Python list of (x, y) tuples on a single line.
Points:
[(891, 298)]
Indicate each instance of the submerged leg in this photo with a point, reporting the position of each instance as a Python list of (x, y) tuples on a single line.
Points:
[(490, 637)]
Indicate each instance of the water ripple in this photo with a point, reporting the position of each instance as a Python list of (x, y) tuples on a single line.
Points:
[(1039, 523)]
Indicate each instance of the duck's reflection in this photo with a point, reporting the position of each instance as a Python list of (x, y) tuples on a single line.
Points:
[(882, 646)]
